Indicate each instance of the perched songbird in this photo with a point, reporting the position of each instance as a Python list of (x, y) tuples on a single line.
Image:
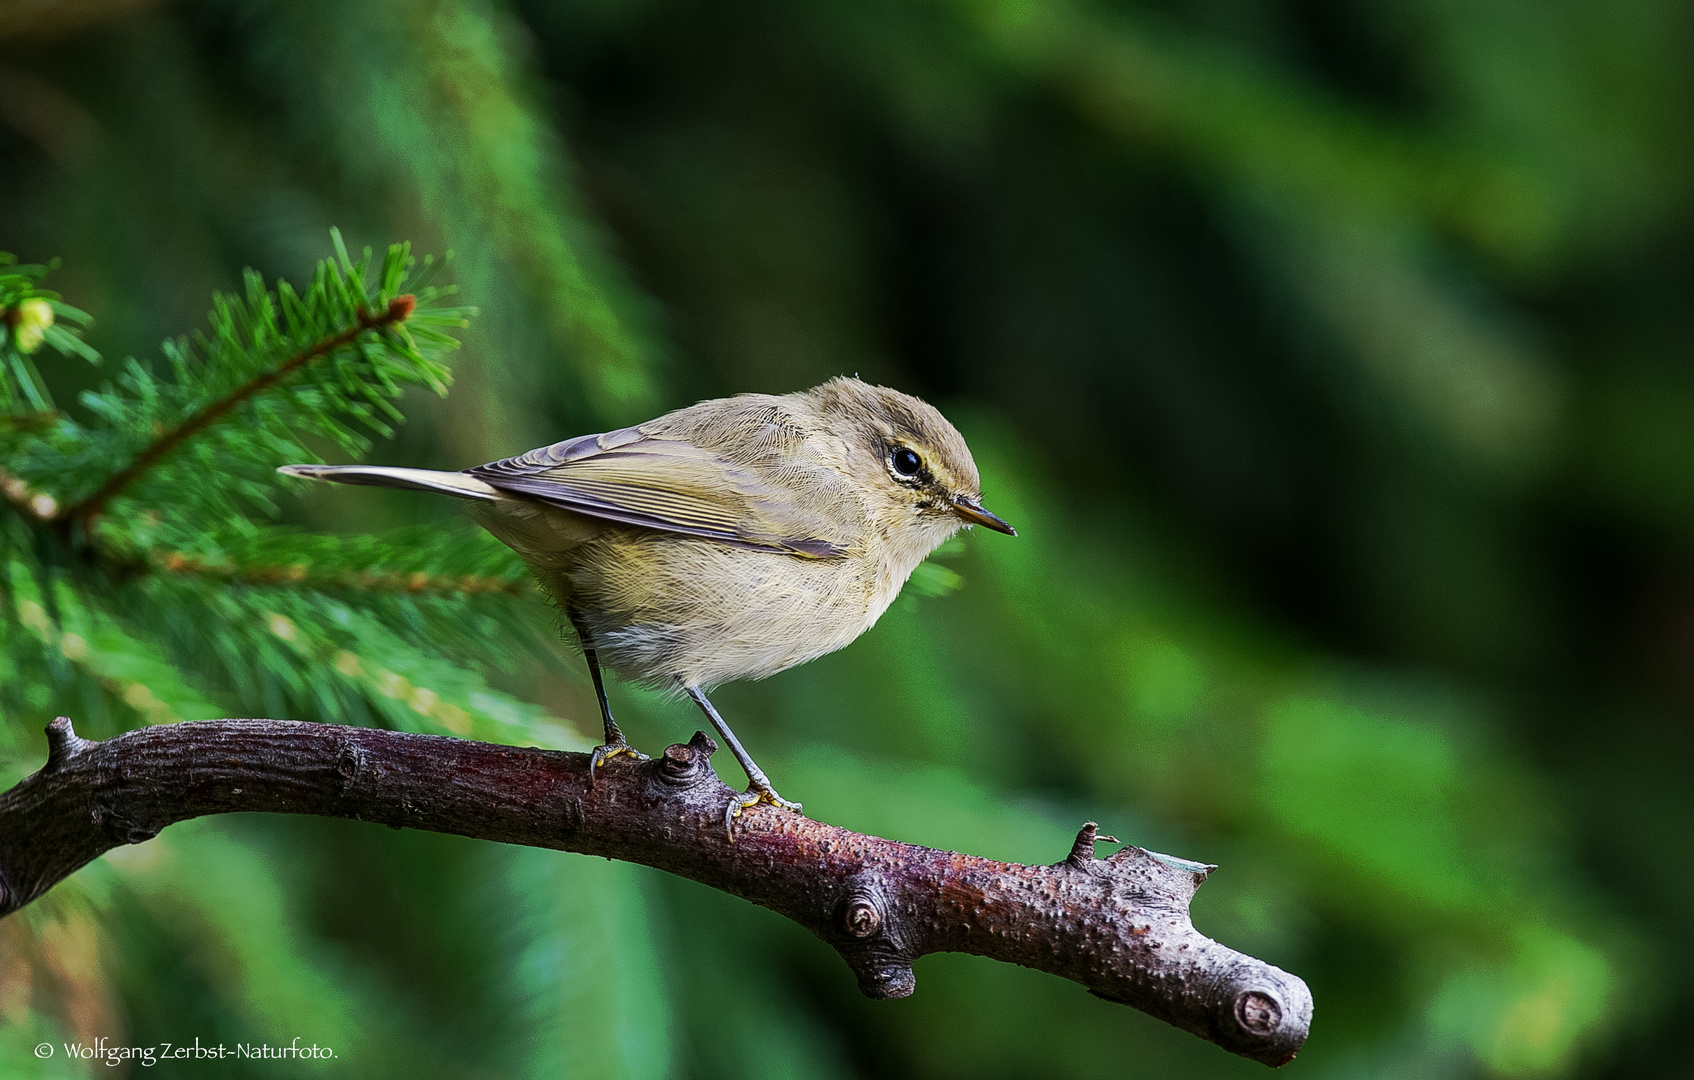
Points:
[(729, 540)]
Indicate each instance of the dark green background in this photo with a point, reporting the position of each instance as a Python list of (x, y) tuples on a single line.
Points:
[(1332, 358)]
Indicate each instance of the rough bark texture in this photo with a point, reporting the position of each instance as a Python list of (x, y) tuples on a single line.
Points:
[(1118, 926)]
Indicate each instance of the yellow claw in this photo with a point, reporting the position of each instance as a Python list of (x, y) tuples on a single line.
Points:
[(753, 797), (607, 752)]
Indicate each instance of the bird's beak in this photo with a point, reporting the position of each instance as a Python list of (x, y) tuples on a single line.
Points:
[(974, 512)]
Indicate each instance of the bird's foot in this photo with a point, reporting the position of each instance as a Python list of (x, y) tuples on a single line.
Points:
[(608, 751), (753, 796)]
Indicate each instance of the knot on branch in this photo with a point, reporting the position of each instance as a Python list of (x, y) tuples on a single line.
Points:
[(358, 779), (686, 764), (63, 744), (860, 916), (1261, 1012), (867, 935), (1258, 1013)]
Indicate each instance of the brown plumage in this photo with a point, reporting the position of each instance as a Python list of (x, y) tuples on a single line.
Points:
[(729, 540)]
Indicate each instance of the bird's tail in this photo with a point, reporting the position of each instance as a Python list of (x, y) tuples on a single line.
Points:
[(457, 484)]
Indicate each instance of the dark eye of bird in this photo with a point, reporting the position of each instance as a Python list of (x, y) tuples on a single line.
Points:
[(905, 461)]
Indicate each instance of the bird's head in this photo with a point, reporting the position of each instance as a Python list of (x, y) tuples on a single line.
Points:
[(906, 452)]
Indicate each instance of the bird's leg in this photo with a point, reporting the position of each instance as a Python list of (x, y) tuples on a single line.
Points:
[(759, 785), (615, 743)]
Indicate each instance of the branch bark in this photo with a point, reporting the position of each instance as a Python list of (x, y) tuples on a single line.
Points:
[(1118, 925)]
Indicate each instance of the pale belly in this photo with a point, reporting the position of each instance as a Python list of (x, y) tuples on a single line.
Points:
[(672, 611), (675, 612)]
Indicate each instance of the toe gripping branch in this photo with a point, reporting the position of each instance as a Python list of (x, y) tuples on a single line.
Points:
[(1117, 925)]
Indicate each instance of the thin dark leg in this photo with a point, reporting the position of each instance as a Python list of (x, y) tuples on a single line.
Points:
[(615, 743), (613, 735), (759, 785)]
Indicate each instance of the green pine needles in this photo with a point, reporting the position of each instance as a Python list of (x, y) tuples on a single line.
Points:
[(143, 573), (31, 317)]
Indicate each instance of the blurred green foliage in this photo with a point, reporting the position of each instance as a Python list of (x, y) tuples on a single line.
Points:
[(1332, 359)]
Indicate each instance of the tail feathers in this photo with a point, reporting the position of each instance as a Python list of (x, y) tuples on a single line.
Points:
[(446, 483)]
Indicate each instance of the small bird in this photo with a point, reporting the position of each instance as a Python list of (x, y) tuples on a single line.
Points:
[(732, 539)]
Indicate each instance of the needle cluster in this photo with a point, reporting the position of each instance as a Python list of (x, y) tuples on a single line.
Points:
[(143, 571)]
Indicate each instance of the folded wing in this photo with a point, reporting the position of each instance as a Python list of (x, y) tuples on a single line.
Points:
[(673, 485)]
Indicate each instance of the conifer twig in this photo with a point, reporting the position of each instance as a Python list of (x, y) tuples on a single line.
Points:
[(398, 311), (302, 574), (35, 505), (1119, 925)]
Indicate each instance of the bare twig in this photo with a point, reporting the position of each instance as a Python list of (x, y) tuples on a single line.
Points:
[(1118, 926)]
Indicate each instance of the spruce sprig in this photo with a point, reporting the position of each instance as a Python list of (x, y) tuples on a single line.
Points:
[(194, 440), (32, 317), (144, 574)]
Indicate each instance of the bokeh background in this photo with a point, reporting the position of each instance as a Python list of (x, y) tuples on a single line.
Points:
[(1331, 356)]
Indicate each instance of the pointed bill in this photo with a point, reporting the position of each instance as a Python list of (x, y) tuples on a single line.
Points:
[(974, 512)]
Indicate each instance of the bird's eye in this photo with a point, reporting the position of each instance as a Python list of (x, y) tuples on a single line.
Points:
[(905, 461)]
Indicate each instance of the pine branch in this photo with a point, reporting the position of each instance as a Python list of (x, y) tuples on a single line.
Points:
[(32, 317), (323, 363), (321, 626), (1119, 925), (420, 561), (415, 583), (399, 310), (130, 669), (35, 506)]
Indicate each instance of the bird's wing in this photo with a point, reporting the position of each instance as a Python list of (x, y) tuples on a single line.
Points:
[(676, 486)]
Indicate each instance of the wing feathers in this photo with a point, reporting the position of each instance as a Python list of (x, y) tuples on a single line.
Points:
[(666, 484), (763, 492)]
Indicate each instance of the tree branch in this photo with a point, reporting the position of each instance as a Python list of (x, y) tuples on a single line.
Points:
[(1119, 925)]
